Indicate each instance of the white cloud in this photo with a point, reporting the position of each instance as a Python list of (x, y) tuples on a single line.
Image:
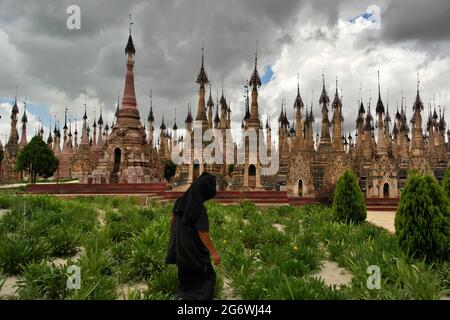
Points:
[(343, 52)]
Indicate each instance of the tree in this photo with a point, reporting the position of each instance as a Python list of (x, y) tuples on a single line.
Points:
[(169, 169), (348, 201), (37, 159), (422, 222), (446, 182)]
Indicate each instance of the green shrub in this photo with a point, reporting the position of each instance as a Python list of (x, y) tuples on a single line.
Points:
[(43, 281), (422, 222), (446, 182), (63, 241), (306, 288), (17, 251), (165, 281), (146, 254), (95, 288), (6, 200), (348, 202)]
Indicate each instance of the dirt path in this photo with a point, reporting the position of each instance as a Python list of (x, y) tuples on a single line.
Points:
[(125, 289), (332, 274), (384, 219), (228, 292), (62, 261), (9, 287)]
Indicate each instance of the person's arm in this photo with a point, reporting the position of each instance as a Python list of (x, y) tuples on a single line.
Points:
[(204, 236)]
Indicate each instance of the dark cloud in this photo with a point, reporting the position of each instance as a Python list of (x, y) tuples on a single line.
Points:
[(424, 21), (55, 66)]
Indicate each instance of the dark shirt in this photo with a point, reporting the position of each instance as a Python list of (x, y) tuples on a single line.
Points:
[(186, 249)]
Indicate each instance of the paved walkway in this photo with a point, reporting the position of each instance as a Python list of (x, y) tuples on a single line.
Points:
[(385, 219), (23, 184)]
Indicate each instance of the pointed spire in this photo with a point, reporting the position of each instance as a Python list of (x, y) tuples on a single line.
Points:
[(100, 119), (117, 105), (216, 116), (189, 118), (311, 116), (129, 49), (151, 117), (255, 80), (175, 127), (418, 105), (42, 129), (336, 101), (380, 106), (324, 99), (202, 78), (298, 100), (388, 117), (24, 117), (163, 125), (65, 118), (95, 123), (210, 100), (85, 114)]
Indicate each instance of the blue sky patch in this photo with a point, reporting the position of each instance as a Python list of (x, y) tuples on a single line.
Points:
[(37, 109), (268, 74)]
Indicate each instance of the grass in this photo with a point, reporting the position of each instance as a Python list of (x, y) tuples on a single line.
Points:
[(259, 261)]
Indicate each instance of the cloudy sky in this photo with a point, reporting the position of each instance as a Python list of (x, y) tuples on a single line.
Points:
[(56, 67)]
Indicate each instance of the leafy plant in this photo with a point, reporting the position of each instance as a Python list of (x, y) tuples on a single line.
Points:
[(348, 202), (17, 251), (43, 281), (422, 221), (37, 159), (446, 182)]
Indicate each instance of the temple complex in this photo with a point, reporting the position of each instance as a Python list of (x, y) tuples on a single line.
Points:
[(382, 150)]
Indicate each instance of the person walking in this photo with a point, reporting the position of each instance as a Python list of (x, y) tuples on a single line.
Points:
[(190, 246)]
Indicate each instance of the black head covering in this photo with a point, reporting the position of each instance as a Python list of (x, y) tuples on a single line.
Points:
[(190, 205)]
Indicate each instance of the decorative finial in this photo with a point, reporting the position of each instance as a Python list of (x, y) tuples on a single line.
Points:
[(203, 52), (418, 83), (298, 83), (360, 92), (256, 54), (131, 23), (379, 83), (151, 98)]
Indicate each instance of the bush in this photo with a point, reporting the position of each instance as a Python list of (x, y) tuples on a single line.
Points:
[(6, 200), (446, 182), (17, 251), (43, 281), (348, 202), (422, 222)]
